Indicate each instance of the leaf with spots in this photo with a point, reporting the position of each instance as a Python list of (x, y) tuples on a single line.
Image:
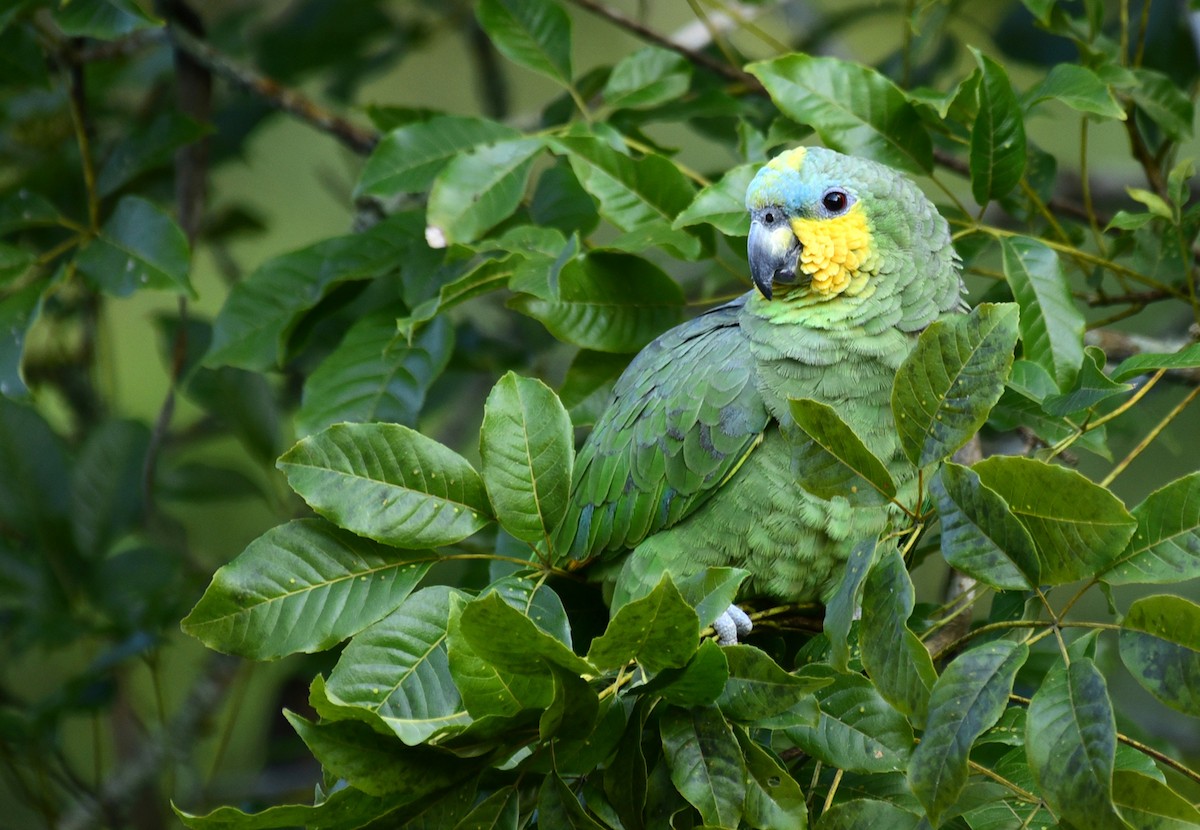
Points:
[(831, 460), (1166, 546), (1160, 645)]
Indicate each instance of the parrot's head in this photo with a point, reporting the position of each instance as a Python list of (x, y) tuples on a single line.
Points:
[(830, 225)]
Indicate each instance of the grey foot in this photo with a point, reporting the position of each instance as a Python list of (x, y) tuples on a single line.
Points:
[(732, 623)]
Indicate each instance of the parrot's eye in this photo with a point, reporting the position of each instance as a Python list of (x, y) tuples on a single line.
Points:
[(769, 218), (835, 200)]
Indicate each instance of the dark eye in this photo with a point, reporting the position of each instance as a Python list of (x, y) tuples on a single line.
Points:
[(769, 218), (835, 201)]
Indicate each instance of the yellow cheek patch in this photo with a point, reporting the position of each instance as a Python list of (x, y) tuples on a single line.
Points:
[(836, 250)]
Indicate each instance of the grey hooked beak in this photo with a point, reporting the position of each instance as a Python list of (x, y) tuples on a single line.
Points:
[(774, 256)]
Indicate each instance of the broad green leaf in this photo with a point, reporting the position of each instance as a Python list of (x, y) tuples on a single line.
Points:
[(572, 710), (140, 246), (588, 384), (846, 602), (18, 311), (641, 197), (946, 387), (408, 158), (1165, 548), (491, 275), (647, 77), (1091, 387), (1070, 739), (966, 701), (527, 450), (379, 764), (834, 461), (897, 662), (774, 801), (302, 586), (1186, 358), (102, 19), (706, 762), (722, 204), (511, 641), (1166, 104), (1015, 410), (499, 811), (398, 669), (711, 591), (341, 808), (857, 730), (997, 155), (861, 813), (1051, 325), (253, 326), (26, 209), (389, 483), (373, 375), (559, 808), (146, 148), (659, 630), (478, 189), (106, 485), (1079, 88), (34, 490), (758, 687), (853, 108), (559, 201), (533, 33), (609, 302), (699, 683), (1149, 803), (1160, 645), (980, 535), (1078, 527)]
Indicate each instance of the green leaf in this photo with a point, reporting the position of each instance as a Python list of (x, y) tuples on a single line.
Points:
[(1051, 325), (527, 450), (379, 764), (572, 710), (710, 591), (408, 158), (997, 156), (966, 701), (389, 483), (499, 811), (659, 630), (846, 602), (510, 640), (853, 108), (106, 485), (1079, 88), (102, 19), (533, 33), (18, 311), (949, 383), (491, 275), (722, 204), (774, 801), (647, 77), (1165, 548), (477, 189), (857, 730), (1091, 387), (1070, 740), (1079, 527), (373, 376), (1161, 98), (706, 763), (758, 687), (559, 808), (140, 246), (641, 196), (26, 209), (302, 586), (253, 326), (398, 669), (699, 683), (867, 812), (1160, 645), (980, 535), (1149, 803), (834, 461), (898, 662), (609, 302), (1186, 358), (341, 808), (146, 148)]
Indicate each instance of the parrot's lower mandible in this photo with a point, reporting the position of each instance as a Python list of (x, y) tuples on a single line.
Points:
[(691, 464)]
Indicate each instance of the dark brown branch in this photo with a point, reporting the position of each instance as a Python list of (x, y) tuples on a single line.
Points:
[(359, 139)]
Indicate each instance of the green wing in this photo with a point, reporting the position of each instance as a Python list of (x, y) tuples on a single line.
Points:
[(684, 416)]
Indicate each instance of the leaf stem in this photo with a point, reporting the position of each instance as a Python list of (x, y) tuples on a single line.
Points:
[(1021, 792), (1150, 436), (833, 788)]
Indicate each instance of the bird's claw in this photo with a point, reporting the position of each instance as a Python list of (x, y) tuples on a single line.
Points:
[(732, 623)]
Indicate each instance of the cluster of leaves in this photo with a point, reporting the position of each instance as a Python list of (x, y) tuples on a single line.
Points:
[(497, 700)]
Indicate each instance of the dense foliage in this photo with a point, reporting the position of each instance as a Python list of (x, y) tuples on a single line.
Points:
[(472, 680)]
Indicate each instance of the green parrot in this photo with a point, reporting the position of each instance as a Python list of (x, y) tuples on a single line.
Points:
[(691, 464)]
